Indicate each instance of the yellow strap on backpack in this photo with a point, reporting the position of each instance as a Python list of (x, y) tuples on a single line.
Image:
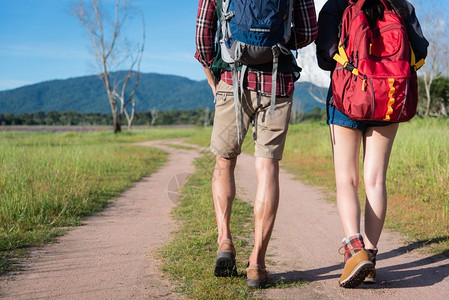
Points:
[(342, 59), (413, 63)]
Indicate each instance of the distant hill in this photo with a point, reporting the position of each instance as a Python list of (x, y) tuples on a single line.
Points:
[(87, 94)]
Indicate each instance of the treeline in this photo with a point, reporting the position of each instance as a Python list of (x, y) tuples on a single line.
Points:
[(201, 117), (434, 101), (74, 118)]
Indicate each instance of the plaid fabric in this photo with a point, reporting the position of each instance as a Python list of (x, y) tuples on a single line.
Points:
[(352, 245), (206, 28), (261, 82), (304, 33), (372, 254)]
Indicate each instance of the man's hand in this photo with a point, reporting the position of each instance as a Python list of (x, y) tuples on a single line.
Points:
[(210, 79)]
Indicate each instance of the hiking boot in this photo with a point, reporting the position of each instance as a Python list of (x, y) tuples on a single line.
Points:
[(225, 262), (256, 276), (356, 269), (371, 277)]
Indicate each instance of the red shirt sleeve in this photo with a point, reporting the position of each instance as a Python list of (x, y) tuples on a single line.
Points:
[(305, 28), (206, 28)]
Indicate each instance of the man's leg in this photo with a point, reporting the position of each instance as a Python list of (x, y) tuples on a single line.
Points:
[(265, 206), (223, 191)]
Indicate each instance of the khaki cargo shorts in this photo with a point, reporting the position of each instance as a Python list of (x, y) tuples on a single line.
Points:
[(269, 131)]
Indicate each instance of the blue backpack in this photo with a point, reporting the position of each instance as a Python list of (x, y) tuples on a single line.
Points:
[(254, 32)]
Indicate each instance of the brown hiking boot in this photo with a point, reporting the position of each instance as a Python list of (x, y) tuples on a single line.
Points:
[(225, 262), (356, 269), (371, 277), (256, 276)]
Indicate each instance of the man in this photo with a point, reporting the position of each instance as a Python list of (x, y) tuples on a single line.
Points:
[(269, 131)]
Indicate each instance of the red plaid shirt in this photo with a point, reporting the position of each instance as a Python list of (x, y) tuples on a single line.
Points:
[(305, 30)]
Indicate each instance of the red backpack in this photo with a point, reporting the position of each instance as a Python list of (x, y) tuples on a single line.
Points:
[(375, 77)]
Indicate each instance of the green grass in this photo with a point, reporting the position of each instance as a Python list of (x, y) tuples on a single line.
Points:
[(419, 182), (49, 182), (190, 258)]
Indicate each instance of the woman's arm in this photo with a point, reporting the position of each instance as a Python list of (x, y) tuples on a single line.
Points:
[(415, 34), (329, 21)]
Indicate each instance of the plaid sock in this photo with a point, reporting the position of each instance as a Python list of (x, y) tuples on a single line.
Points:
[(352, 245), (372, 254)]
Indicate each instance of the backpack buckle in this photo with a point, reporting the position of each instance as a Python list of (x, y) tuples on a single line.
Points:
[(351, 68), (276, 51)]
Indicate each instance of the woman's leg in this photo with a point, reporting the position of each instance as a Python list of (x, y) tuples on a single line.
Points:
[(378, 142), (346, 149), (346, 146)]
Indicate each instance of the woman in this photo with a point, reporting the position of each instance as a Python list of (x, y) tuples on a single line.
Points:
[(348, 135)]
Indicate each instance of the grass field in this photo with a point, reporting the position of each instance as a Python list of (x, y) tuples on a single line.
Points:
[(189, 258), (418, 201), (49, 182), (417, 180)]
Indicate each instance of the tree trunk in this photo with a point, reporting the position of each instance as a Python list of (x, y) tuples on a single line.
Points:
[(429, 98), (116, 122)]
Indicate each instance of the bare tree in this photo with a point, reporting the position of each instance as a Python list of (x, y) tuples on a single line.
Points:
[(435, 30), (297, 113), (318, 94), (206, 116), (153, 116), (112, 51)]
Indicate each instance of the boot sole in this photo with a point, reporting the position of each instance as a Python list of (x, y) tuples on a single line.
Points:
[(225, 265), (358, 275), (370, 280), (257, 284)]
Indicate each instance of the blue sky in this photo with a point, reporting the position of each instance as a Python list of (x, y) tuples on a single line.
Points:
[(40, 40)]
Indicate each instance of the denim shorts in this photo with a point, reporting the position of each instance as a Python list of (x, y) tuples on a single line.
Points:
[(336, 117)]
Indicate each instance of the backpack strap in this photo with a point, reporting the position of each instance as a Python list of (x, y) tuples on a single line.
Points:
[(277, 50), (358, 4), (274, 74), (415, 65), (237, 104), (288, 24), (343, 60), (225, 16)]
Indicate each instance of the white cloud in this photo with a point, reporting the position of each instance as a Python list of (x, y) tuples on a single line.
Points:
[(310, 70)]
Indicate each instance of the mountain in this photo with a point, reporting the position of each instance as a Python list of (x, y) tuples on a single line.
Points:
[(163, 92)]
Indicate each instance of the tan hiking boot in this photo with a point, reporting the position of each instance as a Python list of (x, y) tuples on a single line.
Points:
[(256, 276), (225, 262), (356, 269), (371, 277)]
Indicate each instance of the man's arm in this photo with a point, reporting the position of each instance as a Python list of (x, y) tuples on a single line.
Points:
[(305, 27), (206, 28), (210, 78)]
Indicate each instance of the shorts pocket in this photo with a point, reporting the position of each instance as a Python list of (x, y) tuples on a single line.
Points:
[(223, 97)]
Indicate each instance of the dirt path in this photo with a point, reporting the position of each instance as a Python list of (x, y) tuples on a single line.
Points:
[(305, 243), (112, 255)]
